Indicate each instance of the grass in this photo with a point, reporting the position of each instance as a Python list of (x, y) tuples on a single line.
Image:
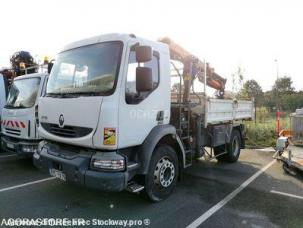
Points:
[(263, 133)]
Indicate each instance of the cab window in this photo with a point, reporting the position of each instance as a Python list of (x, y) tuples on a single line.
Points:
[(132, 96)]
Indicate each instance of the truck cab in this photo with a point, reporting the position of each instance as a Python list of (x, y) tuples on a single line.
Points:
[(108, 120), (19, 116)]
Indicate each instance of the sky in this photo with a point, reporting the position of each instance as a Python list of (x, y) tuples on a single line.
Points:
[(228, 34)]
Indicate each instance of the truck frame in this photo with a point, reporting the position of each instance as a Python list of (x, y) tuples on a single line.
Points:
[(133, 135)]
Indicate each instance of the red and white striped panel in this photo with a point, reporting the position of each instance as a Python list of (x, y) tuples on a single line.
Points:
[(13, 123)]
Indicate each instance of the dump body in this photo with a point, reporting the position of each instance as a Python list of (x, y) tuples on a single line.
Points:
[(218, 111), (224, 110)]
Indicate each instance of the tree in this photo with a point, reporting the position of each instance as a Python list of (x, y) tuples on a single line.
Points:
[(291, 102), (283, 86), (269, 100), (251, 89)]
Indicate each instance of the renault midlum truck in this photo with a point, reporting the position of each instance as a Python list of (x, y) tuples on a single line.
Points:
[(19, 116), (111, 121)]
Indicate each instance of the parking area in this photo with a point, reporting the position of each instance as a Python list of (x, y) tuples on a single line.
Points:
[(254, 192)]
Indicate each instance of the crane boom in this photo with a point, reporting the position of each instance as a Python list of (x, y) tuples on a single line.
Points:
[(194, 66)]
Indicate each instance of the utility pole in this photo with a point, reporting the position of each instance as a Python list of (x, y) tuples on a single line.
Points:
[(277, 63), (278, 113)]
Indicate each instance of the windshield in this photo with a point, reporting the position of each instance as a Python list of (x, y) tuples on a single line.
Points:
[(91, 69), (23, 93)]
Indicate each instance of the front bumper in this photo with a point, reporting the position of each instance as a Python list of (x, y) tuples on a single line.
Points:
[(20, 146), (75, 166)]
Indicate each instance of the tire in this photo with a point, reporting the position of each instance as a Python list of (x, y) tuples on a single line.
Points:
[(233, 148), (162, 176), (289, 170)]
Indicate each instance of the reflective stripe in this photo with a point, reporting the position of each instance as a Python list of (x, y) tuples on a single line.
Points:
[(22, 124), (10, 122), (16, 123)]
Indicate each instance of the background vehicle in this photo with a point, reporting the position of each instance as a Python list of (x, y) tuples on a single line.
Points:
[(110, 121), (3, 96), (290, 142), (19, 116)]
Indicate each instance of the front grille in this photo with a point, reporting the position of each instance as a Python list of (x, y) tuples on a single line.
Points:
[(66, 131), (13, 131)]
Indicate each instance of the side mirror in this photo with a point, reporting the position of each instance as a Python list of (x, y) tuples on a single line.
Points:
[(50, 66), (143, 54), (144, 79)]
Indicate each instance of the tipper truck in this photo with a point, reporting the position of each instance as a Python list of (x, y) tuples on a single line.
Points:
[(111, 121)]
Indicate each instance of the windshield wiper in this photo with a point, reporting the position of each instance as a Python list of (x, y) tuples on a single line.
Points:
[(88, 93), (61, 95), (77, 94), (8, 106), (15, 107)]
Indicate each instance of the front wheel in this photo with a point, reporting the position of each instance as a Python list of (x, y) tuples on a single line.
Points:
[(162, 175)]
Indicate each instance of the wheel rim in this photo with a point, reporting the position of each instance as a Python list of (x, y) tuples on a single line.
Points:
[(235, 146), (164, 172)]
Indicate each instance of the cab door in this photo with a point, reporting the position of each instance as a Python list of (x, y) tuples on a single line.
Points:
[(140, 112)]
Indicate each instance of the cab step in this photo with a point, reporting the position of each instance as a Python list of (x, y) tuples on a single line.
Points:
[(134, 187), (188, 158)]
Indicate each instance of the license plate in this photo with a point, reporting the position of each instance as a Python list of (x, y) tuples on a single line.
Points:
[(9, 145), (58, 174)]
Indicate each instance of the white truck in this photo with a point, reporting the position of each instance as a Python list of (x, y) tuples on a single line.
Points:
[(3, 96), (19, 116), (109, 121)]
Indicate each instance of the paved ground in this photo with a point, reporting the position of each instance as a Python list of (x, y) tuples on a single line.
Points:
[(204, 185)]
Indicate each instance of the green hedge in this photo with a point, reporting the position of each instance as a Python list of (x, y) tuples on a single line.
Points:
[(263, 134)]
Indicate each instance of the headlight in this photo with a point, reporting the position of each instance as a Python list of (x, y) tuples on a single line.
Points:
[(108, 161), (40, 146), (109, 164), (29, 149)]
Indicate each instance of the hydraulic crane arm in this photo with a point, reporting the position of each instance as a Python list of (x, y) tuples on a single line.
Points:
[(194, 66)]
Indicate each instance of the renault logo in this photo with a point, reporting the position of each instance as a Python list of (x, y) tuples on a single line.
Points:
[(61, 121)]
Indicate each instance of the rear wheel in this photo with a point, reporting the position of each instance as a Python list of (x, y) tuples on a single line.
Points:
[(162, 175), (233, 148)]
